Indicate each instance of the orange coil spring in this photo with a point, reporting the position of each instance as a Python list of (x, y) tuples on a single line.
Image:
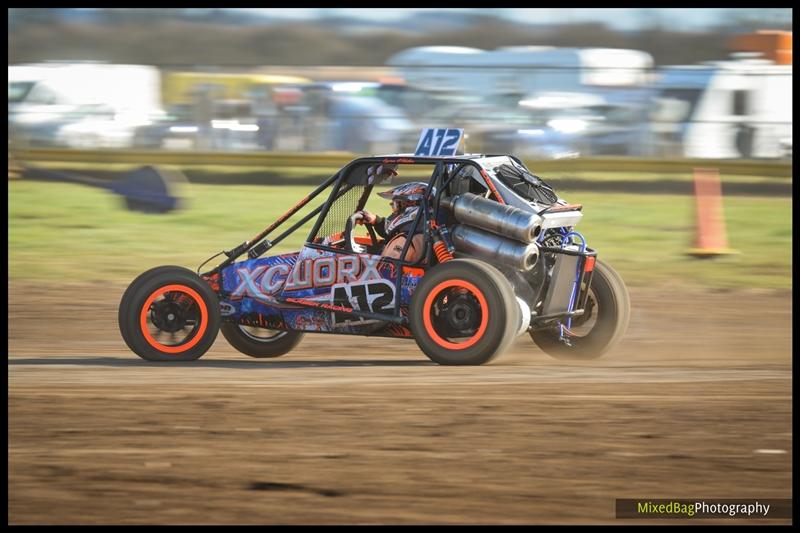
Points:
[(442, 253)]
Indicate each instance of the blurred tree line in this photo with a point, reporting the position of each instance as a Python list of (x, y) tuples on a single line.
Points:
[(187, 37)]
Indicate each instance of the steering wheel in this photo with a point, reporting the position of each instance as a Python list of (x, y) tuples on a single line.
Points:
[(349, 241)]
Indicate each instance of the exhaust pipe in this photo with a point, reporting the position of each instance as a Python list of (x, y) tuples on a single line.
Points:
[(494, 249), (504, 220), (524, 316)]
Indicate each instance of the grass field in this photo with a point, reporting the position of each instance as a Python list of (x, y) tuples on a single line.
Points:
[(63, 232)]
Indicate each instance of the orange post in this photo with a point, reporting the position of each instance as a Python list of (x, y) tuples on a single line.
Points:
[(710, 236)]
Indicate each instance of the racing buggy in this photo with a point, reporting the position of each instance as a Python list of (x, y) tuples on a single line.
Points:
[(489, 253)]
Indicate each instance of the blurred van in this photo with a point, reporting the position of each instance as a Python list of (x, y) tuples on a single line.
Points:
[(86, 105)]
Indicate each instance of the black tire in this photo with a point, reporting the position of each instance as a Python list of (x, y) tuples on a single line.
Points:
[(193, 306), (124, 301), (488, 339), (254, 345), (610, 314)]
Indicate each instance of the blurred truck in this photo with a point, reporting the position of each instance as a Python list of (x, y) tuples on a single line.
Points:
[(181, 88), (223, 111)]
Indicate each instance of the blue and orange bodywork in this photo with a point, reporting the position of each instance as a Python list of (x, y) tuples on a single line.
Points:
[(316, 290)]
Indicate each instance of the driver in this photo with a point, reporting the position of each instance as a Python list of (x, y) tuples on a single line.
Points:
[(405, 200)]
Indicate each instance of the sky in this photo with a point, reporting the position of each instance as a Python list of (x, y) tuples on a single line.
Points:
[(618, 18)]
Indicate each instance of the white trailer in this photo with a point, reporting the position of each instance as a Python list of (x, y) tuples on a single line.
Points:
[(724, 109)]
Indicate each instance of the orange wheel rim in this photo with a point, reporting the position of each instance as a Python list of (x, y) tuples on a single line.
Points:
[(200, 330), (427, 308)]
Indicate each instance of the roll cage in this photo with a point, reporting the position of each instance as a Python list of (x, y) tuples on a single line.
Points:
[(353, 177), (348, 178), (446, 169)]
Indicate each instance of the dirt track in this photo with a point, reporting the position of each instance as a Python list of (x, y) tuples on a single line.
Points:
[(696, 402)]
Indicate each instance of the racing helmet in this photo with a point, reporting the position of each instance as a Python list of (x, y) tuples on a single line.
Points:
[(408, 192)]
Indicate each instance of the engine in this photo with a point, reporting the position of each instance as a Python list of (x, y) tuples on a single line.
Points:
[(503, 220), (474, 241), (501, 233)]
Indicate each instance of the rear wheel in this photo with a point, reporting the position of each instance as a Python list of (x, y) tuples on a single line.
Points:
[(600, 328), (463, 312), (169, 314), (260, 342)]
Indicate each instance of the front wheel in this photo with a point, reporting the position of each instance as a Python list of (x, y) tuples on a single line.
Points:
[(260, 342), (602, 326), (463, 312), (169, 314)]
